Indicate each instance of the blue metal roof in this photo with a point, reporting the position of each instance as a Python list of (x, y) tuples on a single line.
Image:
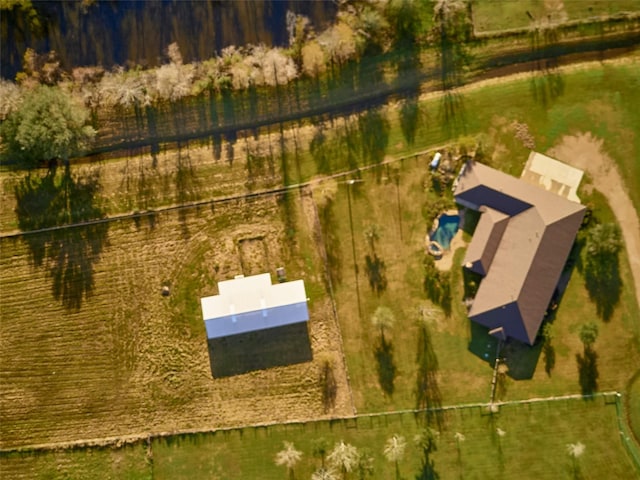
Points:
[(256, 320)]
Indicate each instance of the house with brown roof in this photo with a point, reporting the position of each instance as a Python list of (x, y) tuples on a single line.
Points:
[(520, 246)]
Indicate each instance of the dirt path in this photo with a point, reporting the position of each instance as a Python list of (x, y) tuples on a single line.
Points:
[(585, 151)]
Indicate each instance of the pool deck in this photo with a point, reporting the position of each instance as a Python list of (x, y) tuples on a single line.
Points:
[(446, 261)]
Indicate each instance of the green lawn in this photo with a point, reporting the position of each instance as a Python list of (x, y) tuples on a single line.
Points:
[(128, 462), (535, 435), (489, 15), (634, 407), (461, 350)]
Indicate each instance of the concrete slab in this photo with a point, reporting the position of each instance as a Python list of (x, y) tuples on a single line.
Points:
[(553, 176)]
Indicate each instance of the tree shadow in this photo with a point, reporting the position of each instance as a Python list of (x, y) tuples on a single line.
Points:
[(374, 136), (410, 119), (588, 371), (546, 83), (427, 391), (328, 385), (603, 282), (549, 357), (69, 252), (385, 365), (187, 186), (452, 113), (437, 285), (321, 151), (376, 273), (329, 225)]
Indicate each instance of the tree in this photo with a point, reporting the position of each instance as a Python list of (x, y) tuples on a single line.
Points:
[(365, 464), (601, 267), (459, 438), (588, 334), (49, 125), (604, 240), (320, 447), (383, 318), (426, 441), (372, 235), (575, 451), (323, 474), (10, 98), (288, 457), (394, 451), (344, 457)]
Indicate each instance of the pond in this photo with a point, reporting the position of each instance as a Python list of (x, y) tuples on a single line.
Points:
[(447, 228)]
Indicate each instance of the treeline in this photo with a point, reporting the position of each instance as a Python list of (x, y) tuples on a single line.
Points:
[(239, 86)]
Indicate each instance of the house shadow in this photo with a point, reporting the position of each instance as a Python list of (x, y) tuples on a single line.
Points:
[(259, 350), (521, 359)]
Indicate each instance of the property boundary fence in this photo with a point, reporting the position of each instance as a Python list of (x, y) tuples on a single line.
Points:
[(349, 422)]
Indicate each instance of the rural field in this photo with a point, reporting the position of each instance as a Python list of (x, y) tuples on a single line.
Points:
[(90, 349)]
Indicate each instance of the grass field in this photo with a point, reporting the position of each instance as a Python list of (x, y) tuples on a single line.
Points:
[(535, 435), (123, 359), (490, 15), (89, 348)]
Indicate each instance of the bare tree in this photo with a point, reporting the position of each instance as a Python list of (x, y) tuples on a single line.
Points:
[(288, 457), (344, 457), (394, 451), (10, 98), (383, 318), (324, 474)]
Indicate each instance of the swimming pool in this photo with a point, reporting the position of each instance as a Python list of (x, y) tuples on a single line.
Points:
[(447, 228)]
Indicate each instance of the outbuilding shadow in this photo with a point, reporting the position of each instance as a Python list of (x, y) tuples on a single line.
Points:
[(259, 350)]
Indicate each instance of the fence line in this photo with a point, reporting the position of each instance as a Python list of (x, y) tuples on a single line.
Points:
[(118, 441), (227, 199), (625, 436)]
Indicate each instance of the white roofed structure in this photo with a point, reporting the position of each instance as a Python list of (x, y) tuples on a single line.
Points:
[(248, 304)]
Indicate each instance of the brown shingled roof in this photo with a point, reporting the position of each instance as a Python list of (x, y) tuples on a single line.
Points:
[(521, 244)]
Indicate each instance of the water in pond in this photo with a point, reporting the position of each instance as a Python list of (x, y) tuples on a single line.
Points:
[(447, 228)]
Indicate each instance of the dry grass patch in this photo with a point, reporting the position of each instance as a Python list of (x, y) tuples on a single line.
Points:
[(130, 360)]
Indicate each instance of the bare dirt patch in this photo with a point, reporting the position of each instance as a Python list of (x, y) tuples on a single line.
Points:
[(587, 152)]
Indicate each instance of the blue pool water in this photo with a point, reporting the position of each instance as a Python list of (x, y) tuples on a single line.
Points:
[(447, 228)]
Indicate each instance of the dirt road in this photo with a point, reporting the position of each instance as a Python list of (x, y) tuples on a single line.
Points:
[(586, 152)]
